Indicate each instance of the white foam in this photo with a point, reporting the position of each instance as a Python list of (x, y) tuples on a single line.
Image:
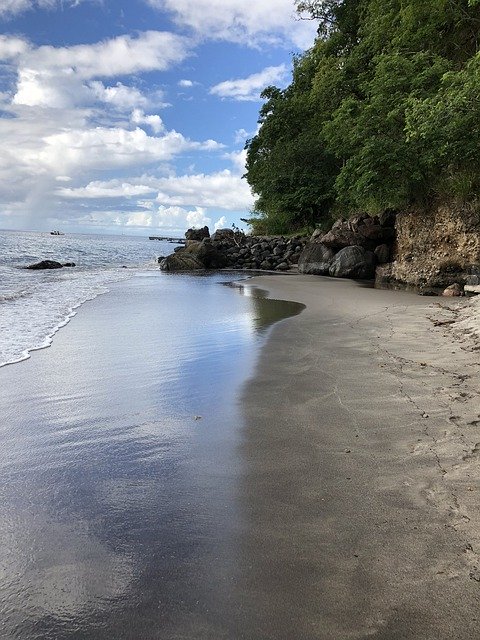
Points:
[(29, 319)]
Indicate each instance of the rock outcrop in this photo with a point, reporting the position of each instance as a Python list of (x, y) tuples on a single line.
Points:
[(181, 261), (361, 231), (45, 264), (316, 258), (197, 234), (438, 247), (232, 249), (353, 262)]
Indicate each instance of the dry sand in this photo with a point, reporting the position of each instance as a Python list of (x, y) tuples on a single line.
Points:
[(362, 445)]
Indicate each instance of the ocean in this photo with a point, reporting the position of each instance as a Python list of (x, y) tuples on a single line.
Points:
[(35, 304)]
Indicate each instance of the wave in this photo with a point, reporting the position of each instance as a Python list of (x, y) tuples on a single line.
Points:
[(31, 318)]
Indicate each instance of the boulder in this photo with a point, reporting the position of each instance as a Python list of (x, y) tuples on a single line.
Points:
[(472, 289), (361, 231), (45, 264), (197, 234), (206, 253), (353, 262), (454, 290), (181, 261), (69, 264), (316, 259), (223, 234)]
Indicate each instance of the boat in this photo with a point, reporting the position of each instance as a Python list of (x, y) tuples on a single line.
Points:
[(56, 233)]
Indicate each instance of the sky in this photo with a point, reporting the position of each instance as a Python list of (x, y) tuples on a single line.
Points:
[(131, 116)]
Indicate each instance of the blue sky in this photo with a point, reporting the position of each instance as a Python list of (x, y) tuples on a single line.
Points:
[(130, 116)]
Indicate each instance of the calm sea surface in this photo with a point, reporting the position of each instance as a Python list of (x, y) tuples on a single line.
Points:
[(122, 514)]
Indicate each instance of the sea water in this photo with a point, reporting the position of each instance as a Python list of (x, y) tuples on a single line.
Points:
[(35, 304)]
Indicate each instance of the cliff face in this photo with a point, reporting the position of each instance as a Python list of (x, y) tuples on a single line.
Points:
[(437, 247)]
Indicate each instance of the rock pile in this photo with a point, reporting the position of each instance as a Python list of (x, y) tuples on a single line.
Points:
[(234, 250), (351, 249)]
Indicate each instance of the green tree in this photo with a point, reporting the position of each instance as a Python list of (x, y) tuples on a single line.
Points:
[(382, 112)]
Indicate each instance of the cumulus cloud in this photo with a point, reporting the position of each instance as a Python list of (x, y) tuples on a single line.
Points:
[(119, 96), (250, 88), (220, 190), (79, 148), (111, 189), (271, 21), (174, 219), (12, 47), (58, 129), (153, 121), (220, 223), (58, 77), (225, 190)]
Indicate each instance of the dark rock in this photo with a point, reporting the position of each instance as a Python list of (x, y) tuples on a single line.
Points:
[(223, 234), (360, 231), (69, 264), (206, 253), (473, 280), (316, 259), (382, 253), (181, 261), (353, 262), (160, 258), (197, 234), (283, 266), (45, 264)]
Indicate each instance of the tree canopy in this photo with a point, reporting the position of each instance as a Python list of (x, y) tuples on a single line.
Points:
[(382, 112)]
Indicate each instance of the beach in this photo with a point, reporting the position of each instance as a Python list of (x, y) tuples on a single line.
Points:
[(301, 471), (365, 473)]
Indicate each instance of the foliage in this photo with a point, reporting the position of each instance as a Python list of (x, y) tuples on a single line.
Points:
[(383, 111)]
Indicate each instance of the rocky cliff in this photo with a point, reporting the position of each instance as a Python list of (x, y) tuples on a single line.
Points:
[(437, 247)]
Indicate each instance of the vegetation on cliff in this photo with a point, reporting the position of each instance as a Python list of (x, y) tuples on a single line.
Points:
[(382, 112)]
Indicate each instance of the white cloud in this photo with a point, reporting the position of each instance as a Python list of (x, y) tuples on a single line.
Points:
[(12, 47), (119, 96), (185, 83), (153, 121), (173, 219), (220, 223), (271, 21), (249, 89), (111, 189), (220, 190), (55, 77), (112, 147), (225, 190)]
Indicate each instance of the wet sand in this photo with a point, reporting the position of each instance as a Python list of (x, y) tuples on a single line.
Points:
[(334, 495), (362, 485)]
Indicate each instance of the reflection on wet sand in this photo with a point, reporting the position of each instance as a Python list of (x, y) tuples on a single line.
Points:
[(121, 514)]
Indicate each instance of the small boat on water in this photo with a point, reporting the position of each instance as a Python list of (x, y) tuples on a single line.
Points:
[(56, 233)]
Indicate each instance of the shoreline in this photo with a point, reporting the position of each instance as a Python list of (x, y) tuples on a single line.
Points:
[(314, 486), (367, 468)]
